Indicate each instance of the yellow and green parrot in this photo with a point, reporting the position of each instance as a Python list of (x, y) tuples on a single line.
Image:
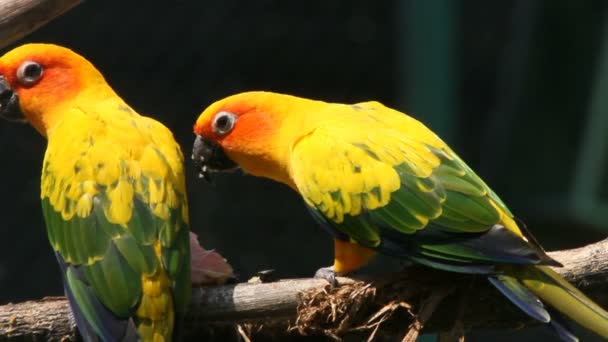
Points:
[(380, 181), (113, 195)]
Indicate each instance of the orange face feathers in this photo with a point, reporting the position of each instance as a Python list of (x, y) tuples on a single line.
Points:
[(240, 105), (237, 123), (45, 76), (247, 129)]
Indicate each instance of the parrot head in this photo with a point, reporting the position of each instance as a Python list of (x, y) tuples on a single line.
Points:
[(37, 80), (250, 131)]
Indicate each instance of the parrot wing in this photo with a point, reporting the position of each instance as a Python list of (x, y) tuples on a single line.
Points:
[(396, 187), (120, 238), (102, 266)]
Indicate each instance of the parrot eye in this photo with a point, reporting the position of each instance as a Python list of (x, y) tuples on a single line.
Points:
[(29, 72), (223, 122)]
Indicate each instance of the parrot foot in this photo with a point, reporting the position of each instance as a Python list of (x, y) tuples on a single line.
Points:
[(328, 274)]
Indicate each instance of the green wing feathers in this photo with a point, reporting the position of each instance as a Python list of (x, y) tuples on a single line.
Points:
[(343, 170), (117, 217), (405, 194)]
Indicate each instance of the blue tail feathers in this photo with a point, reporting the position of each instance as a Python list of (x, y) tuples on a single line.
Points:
[(529, 303), (95, 322), (521, 297)]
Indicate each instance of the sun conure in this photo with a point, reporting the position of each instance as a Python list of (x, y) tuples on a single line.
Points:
[(380, 181), (113, 195)]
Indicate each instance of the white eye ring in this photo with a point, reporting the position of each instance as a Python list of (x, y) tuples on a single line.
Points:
[(223, 123), (29, 72)]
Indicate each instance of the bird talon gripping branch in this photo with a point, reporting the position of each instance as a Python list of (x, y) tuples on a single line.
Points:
[(328, 274)]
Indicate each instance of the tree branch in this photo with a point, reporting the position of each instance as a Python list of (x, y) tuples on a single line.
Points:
[(390, 304), (20, 17)]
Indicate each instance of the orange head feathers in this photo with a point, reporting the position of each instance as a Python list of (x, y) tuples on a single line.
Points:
[(37, 79), (249, 130)]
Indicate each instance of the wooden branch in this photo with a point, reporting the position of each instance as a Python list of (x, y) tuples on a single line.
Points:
[(381, 304), (20, 17), (49, 318)]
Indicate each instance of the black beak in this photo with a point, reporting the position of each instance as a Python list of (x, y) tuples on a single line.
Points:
[(9, 103), (209, 157)]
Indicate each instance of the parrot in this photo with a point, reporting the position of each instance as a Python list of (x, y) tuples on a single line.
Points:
[(380, 181), (113, 195)]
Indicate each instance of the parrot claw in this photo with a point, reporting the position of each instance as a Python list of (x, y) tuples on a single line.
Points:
[(328, 274)]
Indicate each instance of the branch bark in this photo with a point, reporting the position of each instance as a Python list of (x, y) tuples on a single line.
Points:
[(20, 17), (389, 304)]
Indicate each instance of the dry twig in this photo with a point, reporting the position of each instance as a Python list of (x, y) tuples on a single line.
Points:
[(20, 17)]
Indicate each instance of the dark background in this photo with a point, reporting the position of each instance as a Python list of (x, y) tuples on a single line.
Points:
[(515, 87)]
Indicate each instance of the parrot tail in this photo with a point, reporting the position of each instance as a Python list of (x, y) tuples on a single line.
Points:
[(527, 285), (95, 322)]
